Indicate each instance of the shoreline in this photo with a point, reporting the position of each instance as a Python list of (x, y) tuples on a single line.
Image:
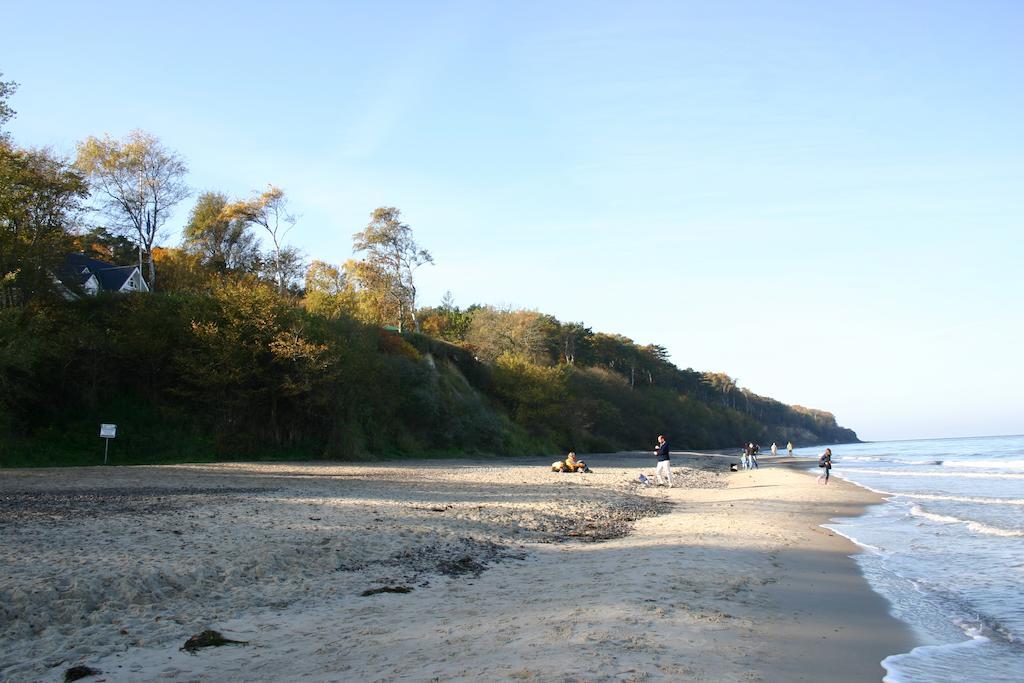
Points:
[(739, 583)]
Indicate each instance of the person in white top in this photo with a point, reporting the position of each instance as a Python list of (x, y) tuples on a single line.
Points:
[(775, 449)]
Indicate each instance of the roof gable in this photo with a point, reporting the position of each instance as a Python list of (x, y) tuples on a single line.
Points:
[(111, 278)]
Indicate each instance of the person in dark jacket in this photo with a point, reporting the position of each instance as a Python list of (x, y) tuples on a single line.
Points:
[(825, 462), (664, 467)]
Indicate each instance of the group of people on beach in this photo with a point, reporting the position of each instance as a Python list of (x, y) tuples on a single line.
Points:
[(663, 469), (570, 464), (748, 458)]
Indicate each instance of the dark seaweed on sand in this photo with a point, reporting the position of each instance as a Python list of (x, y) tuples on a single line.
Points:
[(209, 639), (386, 589), (77, 672), (463, 565)]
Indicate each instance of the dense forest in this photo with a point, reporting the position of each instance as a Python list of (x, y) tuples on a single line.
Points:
[(246, 348)]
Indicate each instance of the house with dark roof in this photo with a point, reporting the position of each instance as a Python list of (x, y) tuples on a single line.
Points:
[(83, 275)]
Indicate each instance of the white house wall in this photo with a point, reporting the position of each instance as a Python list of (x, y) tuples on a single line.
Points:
[(135, 283)]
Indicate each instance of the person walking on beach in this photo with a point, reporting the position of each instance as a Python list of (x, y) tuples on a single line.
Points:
[(825, 462), (664, 466), (748, 456), (789, 446), (775, 449), (753, 456)]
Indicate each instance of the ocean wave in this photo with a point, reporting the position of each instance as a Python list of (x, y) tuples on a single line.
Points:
[(886, 459), (989, 463), (947, 473), (945, 661), (959, 499), (978, 527)]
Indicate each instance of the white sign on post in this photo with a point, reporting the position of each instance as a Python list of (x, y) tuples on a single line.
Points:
[(107, 432)]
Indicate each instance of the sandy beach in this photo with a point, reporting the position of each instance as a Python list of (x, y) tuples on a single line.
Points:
[(436, 571)]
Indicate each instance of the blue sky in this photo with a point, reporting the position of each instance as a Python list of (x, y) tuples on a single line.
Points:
[(823, 200)]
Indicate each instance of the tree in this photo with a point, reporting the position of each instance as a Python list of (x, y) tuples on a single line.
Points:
[(325, 278), (269, 210), (447, 321), (327, 290), (287, 265), (392, 256), (181, 270), (723, 384), (223, 243), (40, 197), (536, 394), (100, 243), (7, 89), (138, 181), (251, 358), (573, 341), (657, 351), (527, 335), (619, 353), (374, 304)]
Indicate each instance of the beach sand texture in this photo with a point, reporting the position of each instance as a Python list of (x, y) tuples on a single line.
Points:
[(516, 573)]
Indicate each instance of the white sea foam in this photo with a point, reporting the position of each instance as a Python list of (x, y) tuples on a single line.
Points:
[(990, 463), (860, 484), (896, 665), (994, 531), (842, 530), (978, 527), (917, 511)]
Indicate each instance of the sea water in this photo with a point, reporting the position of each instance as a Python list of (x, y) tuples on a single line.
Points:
[(946, 549)]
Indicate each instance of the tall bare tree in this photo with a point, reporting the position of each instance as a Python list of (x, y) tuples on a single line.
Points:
[(137, 181), (393, 256), (269, 210)]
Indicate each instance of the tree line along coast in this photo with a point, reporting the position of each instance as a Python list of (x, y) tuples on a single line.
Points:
[(235, 344)]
